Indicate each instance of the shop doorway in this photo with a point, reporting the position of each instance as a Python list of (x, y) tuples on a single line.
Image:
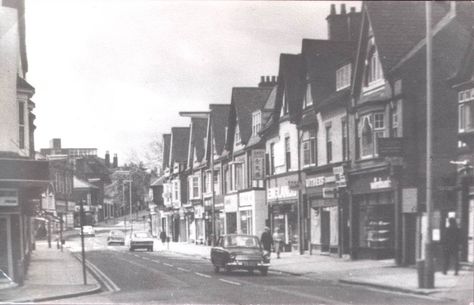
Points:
[(231, 222), (325, 230)]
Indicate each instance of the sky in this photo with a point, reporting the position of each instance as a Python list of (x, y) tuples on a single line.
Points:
[(113, 74)]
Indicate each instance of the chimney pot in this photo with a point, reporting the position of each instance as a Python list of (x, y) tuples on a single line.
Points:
[(273, 79), (353, 9), (343, 9), (262, 79), (268, 79), (333, 9)]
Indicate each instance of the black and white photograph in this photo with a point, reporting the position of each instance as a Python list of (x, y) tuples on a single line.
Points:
[(236, 152)]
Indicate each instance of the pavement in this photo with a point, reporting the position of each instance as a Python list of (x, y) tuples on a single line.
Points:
[(52, 274), (380, 274)]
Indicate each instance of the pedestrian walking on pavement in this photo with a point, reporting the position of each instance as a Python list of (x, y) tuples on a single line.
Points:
[(267, 240), (163, 237), (451, 243), (277, 239)]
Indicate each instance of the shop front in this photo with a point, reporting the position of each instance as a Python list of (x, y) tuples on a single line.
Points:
[(218, 216), (283, 210), (230, 210), (372, 216), (200, 237), (252, 212), (321, 193)]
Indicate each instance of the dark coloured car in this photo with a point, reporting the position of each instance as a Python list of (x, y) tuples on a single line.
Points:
[(141, 240), (238, 251), (116, 237)]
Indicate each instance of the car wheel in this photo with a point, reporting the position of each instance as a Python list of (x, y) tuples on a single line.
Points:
[(264, 270), (216, 269)]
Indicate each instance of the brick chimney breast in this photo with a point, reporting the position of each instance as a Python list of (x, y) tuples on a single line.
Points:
[(338, 25)]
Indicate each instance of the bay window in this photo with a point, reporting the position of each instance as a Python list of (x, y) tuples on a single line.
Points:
[(466, 110), (371, 127)]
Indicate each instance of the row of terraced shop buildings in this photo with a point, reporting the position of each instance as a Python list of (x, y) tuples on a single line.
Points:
[(332, 150)]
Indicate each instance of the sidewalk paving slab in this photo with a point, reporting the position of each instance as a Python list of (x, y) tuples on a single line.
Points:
[(52, 274)]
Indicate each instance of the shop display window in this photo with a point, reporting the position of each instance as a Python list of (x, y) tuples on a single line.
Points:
[(246, 222)]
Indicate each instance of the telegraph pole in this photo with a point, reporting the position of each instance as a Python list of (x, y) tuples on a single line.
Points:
[(428, 277), (81, 218)]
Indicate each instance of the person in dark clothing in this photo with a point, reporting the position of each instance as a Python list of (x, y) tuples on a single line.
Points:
[(163, 237), (451, 244), (267, 240)]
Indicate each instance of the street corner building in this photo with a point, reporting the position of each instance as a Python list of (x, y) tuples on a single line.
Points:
[(22, 178)]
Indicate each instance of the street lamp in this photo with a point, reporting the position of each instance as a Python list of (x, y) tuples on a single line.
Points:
[(130, 195)]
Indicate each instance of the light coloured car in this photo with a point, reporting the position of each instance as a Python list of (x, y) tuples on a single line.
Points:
[(141, 240), (88, 231), (116, 237)]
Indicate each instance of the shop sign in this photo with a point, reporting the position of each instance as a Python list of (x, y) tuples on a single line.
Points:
[(230, 203), (281, 192), (339, 176), (258, 162), (378, 183), (8, 197), (409, 200), (293, 185), (329, 192), (198, 212), (390, 147), (247, 198), (319, 181)]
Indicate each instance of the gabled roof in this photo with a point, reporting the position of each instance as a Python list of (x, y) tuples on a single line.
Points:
[(220, 116), (246, 100), (267, 110), (198, 133), (398, 27), (465, 71), (166, 150), (322, 59), (291, 83), (179, 144)]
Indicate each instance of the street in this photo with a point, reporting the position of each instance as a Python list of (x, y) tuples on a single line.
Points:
[(166, 277)]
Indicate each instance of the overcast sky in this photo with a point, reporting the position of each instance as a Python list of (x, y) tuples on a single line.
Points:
[(114, 74)]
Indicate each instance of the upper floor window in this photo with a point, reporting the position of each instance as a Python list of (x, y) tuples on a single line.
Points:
[(396, 119), (272, 158), (176, 191), (343, 77), (310, 148), (345, 152), (237, 133), (373, 69), (328, 143), (21, 121), (195, 186), (287, 153), (371, 127), (466, 110), (284, 108), (308, 99), (256, 122)]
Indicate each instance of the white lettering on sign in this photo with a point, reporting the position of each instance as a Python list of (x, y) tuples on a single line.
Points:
[(378, 183), (280, 192), (319, 181), (247, 198), (329, 192)]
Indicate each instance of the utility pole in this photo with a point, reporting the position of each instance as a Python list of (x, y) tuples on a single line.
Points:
[(81, 218), (428, 277)]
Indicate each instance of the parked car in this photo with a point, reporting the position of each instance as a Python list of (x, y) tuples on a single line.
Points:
[(141, 240), (116, 237), (238, 251), (88, 231)]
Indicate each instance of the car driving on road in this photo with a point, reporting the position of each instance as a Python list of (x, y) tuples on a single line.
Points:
[(238, 251), (141, 240), (116, 237)]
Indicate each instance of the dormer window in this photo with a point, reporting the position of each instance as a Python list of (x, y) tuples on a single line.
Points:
[(373, 69), (256, 122), (466, 110), (237, 133), (343, 77), (308, 99), (284, 108)]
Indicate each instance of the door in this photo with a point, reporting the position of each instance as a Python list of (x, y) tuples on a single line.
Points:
[(231, 222), (325, 230), (5, 247)]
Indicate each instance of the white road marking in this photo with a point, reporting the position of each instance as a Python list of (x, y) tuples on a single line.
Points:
[(107, 281), (183, 269), (169, 265), (203, 275), (229, 282)]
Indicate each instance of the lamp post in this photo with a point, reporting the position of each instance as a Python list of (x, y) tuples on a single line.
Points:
[(130, 202), (83, 251)]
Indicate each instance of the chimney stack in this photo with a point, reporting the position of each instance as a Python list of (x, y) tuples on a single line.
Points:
[(55, 143), (267, 81), (343, 26), (107, 159), (115, 162)]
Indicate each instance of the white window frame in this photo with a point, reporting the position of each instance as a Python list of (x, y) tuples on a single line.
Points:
[(308, 98), (256, 122), (309, 140), (466, 110), (378, 131), (343, 77), (237, 138)]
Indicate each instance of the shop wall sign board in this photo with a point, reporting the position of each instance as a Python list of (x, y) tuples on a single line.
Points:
[(409, 200), (378, 183), (390, 147), (8, 197), (258, 161)]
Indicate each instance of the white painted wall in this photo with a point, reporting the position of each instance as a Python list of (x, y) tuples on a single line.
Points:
[(286, 130), (9, 63), (335, 119)]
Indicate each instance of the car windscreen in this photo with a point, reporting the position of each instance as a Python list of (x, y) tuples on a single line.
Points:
[(116, 233), (142, 235), (241, 241)]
